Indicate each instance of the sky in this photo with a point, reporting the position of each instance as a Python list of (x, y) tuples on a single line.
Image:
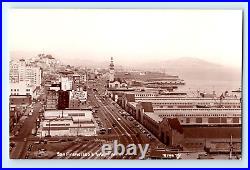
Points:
[(128, 35)]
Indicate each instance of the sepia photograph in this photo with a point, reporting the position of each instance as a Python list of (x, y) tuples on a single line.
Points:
[(125, 84)]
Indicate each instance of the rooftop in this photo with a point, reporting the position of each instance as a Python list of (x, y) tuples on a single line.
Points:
[(147, 106), (154, 116), (175, 124)]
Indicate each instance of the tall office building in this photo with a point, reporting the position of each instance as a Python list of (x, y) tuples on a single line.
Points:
[(20, 72)]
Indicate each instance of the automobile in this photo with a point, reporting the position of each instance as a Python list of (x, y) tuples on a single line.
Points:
[(70, 139), (12, 144), (16, 133), (152, 139), (42, 149), (45, 141), (102, 132), (39, 155), (148, 135), (25, 139), (77, 140), (176, 147), (37, 142), (118, 119), (204, 156), (62, 140), (26, 156)]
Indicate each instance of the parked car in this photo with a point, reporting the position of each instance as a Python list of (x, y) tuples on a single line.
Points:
[(12, 144), (26, 156)]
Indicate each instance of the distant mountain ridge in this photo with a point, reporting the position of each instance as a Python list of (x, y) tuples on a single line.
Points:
[(196, 69)]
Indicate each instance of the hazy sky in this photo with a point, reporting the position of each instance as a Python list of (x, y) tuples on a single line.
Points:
[(150, 35)]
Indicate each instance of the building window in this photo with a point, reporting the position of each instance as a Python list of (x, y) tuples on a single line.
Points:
[(199, 120), (214, 120), (187, 120), (223, 120), (235, 120)]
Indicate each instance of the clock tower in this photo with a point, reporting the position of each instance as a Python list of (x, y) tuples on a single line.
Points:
[(111, 71)]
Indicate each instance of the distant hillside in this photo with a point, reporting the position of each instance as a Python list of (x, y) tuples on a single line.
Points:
[(195, 69)]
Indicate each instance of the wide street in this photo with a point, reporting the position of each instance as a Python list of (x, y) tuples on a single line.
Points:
[(108, 115), (21, 139)]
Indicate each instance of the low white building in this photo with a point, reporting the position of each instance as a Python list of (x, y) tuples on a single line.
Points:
[(68, 123), (117, 83), (23, 88)]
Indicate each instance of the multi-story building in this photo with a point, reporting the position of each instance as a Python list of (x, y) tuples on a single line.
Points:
[(14, 71), (20, 72), (66, 83), (63, 99), (52, 100), (77, 99)]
